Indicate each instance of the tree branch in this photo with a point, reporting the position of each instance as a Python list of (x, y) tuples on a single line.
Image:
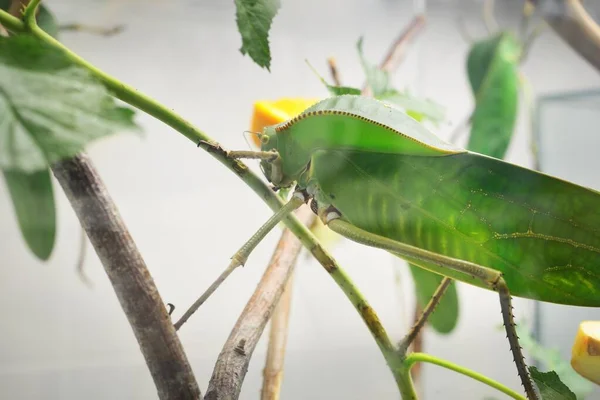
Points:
[(574, 25), (232, 363), (398, 50), (130, 278), (273, 372)]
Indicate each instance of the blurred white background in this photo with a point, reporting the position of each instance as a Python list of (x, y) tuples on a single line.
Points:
[(60, 339)]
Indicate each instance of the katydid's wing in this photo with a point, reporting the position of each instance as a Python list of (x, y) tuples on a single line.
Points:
[(492, 67), (445, 316), (541, 232)]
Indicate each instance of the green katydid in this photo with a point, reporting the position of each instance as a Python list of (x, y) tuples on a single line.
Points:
[(378, 177)]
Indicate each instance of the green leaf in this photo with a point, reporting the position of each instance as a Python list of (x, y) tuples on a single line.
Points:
[(552, 360), (550, 386), (45, 18), (445, 316), (47, 21), (377, 80), (340, 90), (418, 108), (492, 67), (33, 200), (254, 18), (334, 90), (49, 107)]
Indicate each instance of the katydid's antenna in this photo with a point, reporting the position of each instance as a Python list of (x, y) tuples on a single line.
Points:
[(258, 134)]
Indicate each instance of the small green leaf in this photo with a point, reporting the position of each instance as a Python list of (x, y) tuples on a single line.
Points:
[(334, 90), (49, 107), (550, 386), (377, 80), (492, 67), (552, 360), (33, 200), (340, 90), (445, 316), (418, 108), (254, 18)]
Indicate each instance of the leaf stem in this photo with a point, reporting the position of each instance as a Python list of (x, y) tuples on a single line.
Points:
[(11, 23), (422, 357), (29, 13)]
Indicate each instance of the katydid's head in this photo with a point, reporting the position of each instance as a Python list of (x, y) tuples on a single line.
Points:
[(271, 168)]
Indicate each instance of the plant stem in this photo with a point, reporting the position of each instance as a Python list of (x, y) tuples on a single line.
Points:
[(130, 278), (273, 372), (232, 364), (405, 384), (422, 357)]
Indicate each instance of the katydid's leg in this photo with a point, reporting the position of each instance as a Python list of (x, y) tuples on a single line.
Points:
[(416, 328), (240, 257), (491, 278), (256, 155)]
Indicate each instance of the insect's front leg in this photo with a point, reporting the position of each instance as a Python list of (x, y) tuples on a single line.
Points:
[(490, 277), (269, 156)]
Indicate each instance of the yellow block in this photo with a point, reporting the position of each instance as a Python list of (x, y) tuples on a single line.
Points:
[(267, 113), (585, 355)]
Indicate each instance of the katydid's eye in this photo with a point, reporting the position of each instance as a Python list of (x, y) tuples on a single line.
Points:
[(264, 139)]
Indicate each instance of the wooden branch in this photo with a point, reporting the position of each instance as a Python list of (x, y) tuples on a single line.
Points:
[(333, 71), (273, 372), (232, 364), (130, 278), (570, 20), (398, 50)]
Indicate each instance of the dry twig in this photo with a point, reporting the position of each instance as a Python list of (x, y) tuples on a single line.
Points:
[(232, 363), (273, 372)]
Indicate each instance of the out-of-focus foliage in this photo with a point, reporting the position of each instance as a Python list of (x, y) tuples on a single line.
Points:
[(492, 68), (550, 385), (254, 19)]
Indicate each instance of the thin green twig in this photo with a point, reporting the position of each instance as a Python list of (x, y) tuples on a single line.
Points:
[(422, 357)]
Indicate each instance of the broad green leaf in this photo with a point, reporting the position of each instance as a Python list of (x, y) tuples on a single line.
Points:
[(445, 316), (552, 360), (45, 18), (550, 386), (254, 18), (49, 107), (419, 108), (492, 67), (33, 200), (377, 80)]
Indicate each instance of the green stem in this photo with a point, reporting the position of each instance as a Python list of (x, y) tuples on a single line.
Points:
[(145, 103), (405, 383), (422, 357)]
